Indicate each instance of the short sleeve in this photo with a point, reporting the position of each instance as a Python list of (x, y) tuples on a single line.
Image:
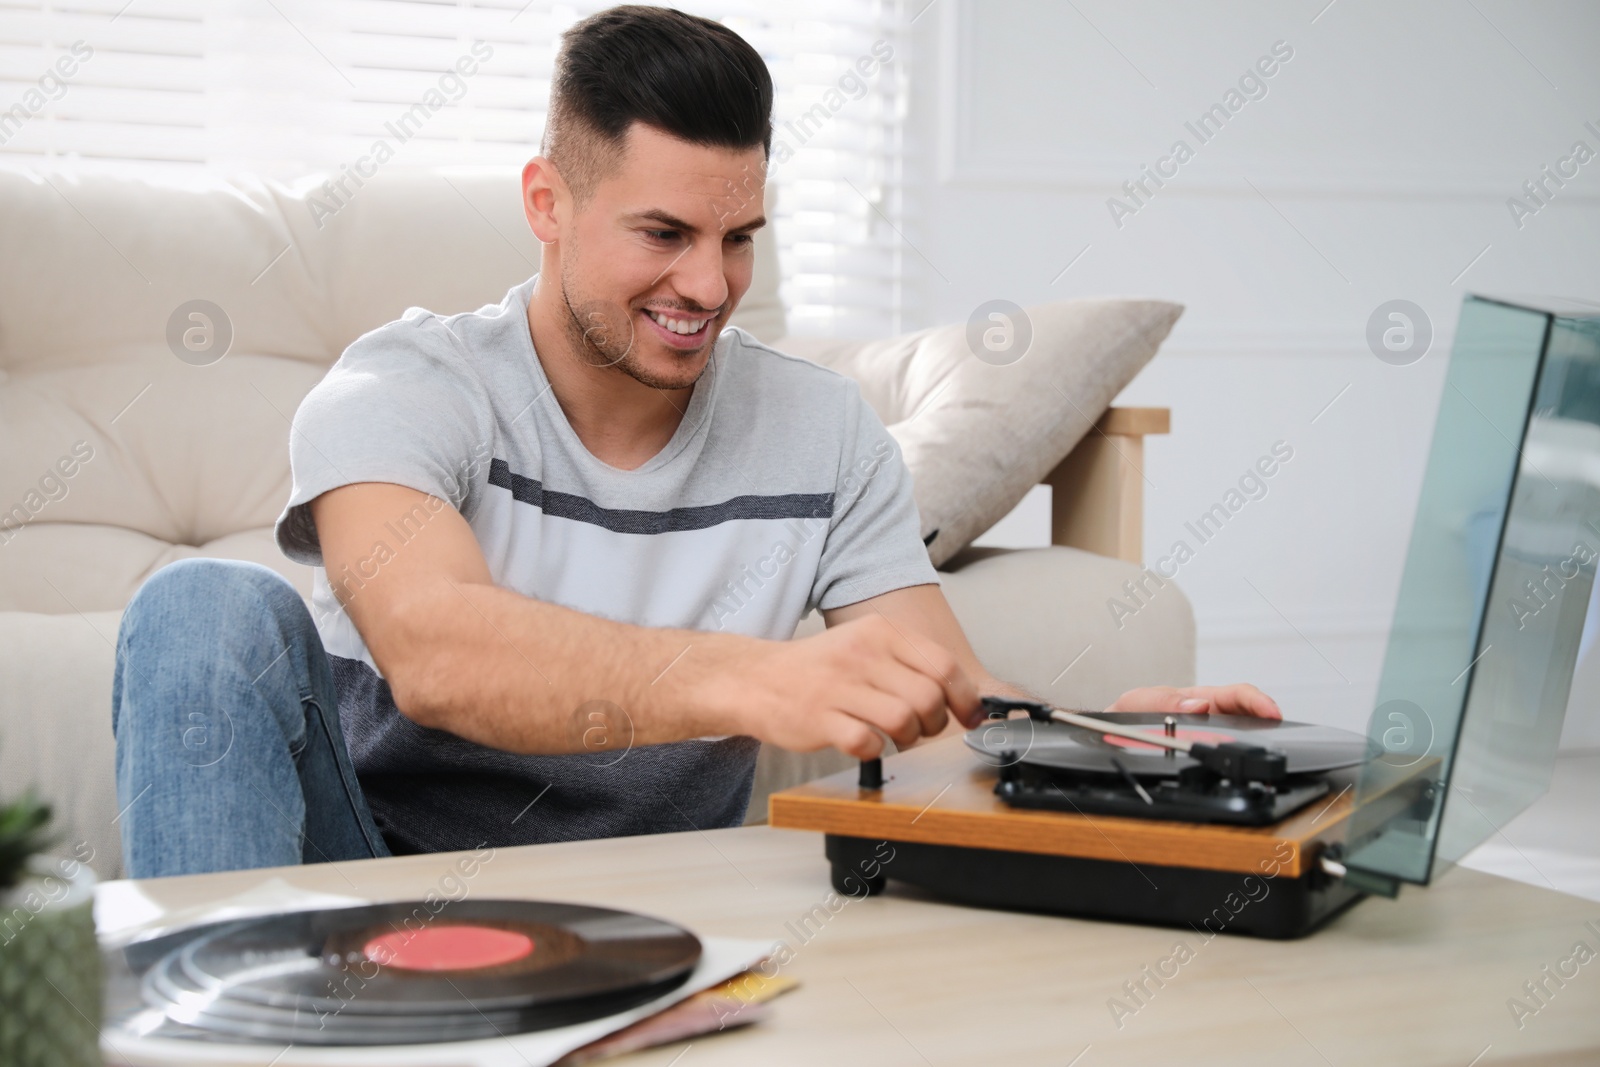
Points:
[(874, 543), (399, 406)]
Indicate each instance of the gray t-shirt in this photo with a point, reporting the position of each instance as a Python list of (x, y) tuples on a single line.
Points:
[(780, 492)]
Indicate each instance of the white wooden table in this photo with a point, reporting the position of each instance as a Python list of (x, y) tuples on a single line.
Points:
[(904, 979)]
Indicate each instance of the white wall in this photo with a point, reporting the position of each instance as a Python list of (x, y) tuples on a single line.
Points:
[(1377, 166)]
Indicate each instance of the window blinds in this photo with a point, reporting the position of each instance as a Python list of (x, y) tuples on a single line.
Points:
[(288, 87)]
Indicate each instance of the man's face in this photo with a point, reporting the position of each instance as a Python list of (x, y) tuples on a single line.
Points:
[(656, 261)]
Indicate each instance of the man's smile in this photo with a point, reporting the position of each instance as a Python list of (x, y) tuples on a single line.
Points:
[(678, 330)]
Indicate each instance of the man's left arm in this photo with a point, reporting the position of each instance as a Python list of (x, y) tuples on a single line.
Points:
[(923, 616)]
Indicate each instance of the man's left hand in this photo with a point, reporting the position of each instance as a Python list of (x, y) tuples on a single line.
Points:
[(1194, 699)]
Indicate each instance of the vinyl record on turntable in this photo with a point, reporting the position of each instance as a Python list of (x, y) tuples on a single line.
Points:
[(1311, 749), (408, 973)]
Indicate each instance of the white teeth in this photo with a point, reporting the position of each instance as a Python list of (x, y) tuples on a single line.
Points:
[(684, 326)]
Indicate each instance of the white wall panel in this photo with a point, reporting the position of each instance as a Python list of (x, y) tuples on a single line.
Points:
[(1376, 166)]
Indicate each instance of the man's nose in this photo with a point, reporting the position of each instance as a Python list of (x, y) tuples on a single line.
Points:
[(699, 275)]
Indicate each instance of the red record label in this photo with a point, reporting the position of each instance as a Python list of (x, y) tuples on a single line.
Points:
[(448, 948)]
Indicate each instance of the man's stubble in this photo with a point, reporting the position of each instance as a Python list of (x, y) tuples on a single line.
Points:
[(603, 333)]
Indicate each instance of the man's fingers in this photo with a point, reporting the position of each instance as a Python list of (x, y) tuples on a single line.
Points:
[(1242, 699), (925, 695), (963, 700), (1163, 698), (889, 712), (935, 662), (852, 736)]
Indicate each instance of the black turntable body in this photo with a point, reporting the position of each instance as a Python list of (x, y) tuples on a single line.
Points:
[(1268, 901)]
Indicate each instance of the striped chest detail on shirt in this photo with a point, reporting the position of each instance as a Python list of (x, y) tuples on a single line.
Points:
[(672, 520)]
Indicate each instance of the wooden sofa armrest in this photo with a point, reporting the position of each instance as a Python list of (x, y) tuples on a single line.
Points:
[(1097, 492)]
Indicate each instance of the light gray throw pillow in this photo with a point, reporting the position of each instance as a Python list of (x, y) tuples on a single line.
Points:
[(980, 425)]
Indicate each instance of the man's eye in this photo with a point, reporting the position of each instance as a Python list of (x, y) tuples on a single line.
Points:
[(662, 235), (741, 238)]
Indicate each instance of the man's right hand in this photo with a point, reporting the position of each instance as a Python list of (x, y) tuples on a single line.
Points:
[(845, 687)]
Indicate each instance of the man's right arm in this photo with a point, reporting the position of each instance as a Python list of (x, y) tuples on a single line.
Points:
[(507, 671)]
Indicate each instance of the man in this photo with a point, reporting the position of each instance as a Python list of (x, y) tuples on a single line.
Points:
[(536, 618)]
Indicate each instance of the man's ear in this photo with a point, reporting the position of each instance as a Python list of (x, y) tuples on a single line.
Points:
[(545, 198)]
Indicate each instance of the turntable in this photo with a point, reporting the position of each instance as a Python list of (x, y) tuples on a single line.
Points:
[(1240, 825), (1220, 822)]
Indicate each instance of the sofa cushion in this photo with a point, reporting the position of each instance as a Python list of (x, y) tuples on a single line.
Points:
[(55, 726), (978, 433), (1041, 618)]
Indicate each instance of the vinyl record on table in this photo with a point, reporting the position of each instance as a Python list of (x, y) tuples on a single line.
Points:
[(399, 961), (165, 987), (1311, 749)]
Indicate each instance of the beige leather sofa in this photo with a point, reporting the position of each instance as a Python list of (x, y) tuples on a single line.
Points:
[(123, 457)]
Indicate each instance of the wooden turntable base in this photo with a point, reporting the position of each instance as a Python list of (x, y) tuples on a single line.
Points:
[(938, 818), (940, 792)]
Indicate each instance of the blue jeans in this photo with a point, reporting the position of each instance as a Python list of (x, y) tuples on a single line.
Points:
[(229, 751)]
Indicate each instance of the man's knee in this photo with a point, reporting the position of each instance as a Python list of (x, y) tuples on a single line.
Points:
[(218, 599), (200, 624), (191, 583)]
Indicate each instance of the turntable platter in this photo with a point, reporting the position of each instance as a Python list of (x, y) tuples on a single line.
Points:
[(1311, 749)]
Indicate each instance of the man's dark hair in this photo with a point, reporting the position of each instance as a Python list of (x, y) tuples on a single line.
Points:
[(684, 75)]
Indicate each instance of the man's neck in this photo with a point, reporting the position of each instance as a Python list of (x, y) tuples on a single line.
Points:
[(620, 420)]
